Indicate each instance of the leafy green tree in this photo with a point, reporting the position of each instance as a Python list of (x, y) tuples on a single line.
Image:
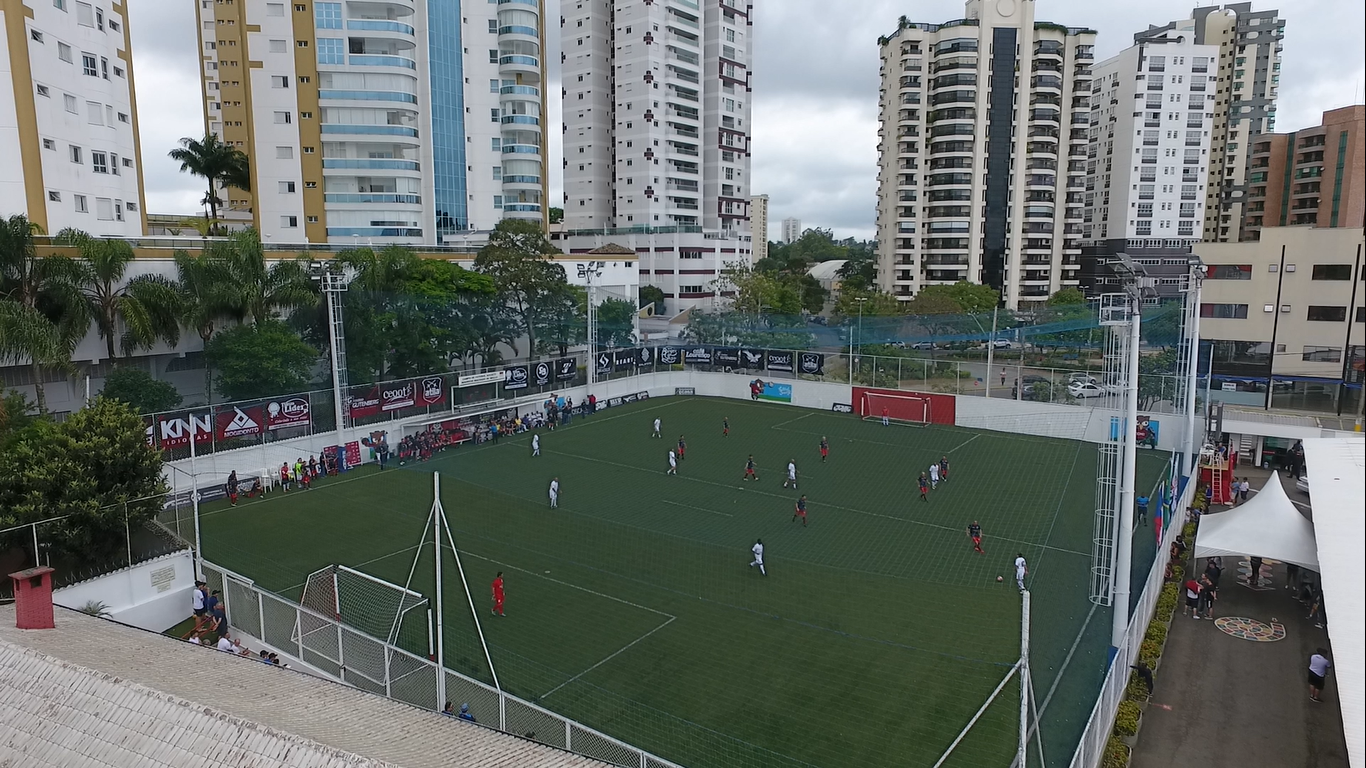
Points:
[(96, 468), (928, 302), (1066, 296), (204, 288), (258, 291), (971, 298), (616, 323), (517, 258), (556, 215), (759, 292), (655, 294), (262, 360), (16, 413), (219, 164), (876, 304), (147, 307), (43, 315), (859, 273), (1156, 377), (134, 386), (561, 319), (1162, 326)]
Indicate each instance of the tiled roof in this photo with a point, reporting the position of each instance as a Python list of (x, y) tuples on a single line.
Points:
[(93, 693)]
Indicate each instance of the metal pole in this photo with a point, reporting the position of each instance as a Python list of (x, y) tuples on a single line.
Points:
[(991, 349), (194, 505), (1125, 522), (1021, 753), (440, 589), (1275, 326), (1191, 450), (338, 412), (1347, 340), (474, 612)]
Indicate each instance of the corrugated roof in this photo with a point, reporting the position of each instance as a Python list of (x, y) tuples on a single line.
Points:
[(100, 694)]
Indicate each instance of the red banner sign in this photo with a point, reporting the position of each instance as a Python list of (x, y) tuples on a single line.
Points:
[(353, 454), (291, 412), (239, 422), (363, 402), (397, 394), (432, 391)]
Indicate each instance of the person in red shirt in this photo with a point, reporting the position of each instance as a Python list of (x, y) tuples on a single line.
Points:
[(284, 476), (885, 420), (1192, 599), (682, 446), (825, 448), (924, 488), (498, 595)]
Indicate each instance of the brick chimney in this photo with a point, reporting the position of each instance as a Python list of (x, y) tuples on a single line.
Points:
[(33, 598)]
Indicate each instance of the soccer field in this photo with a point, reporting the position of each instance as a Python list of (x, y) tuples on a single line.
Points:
[(872, 641)]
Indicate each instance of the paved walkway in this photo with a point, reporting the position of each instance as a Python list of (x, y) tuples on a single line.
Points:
[(1225, 701)]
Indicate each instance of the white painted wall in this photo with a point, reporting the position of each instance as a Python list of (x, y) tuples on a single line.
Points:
[(152, 595)]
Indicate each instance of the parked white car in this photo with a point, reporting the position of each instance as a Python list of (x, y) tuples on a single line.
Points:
[(1082, 390), (1081, 378)]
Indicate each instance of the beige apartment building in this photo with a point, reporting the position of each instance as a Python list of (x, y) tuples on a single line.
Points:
[(1316, 175), (1287, 311)]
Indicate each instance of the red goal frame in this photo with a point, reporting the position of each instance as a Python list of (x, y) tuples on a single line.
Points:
[(902, 408)]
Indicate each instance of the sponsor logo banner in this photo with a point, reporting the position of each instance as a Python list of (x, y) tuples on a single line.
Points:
[(397, 394), (603, 362), (645, 357), (432, 391), (239, 422), (613, 402), (752, 359), (668, 355), (362, 403), (542, 373), (642, 395), (842, 408), (623, 359), (175, 431), (566, 369), (475, 379), (778, 393), (698, 355), (726, 356), (629, 398), (685, 390), (778, 361), (291, 412), (811, 363), (515, 377)]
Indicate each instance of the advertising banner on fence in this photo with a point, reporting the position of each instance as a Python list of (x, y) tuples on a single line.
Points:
[(397, 394), (778, 361), (727, 356), (290, 412), (475, 379), (645, 357), (175, 431), (239, 422), (515, 377), (752, 359), (698, 355), (566, 369), (363, 402), (623, 359), (431, 391), (842, 407), (542, 374), (811, 363), (603, 363), (778, 393), (668, 355)]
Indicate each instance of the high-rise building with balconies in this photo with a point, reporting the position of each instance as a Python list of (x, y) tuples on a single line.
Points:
[(1240, 100), (982, 151), (394, 121), (656, 136), (1313, 176)]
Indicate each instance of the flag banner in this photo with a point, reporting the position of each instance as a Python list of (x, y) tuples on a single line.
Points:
[(542, 373), (603, 363), (753, 359), (515, 377), (812, 363), (669, 355), (778, 361), (623, 359), (728, 356), (566, 369), (290, 412), (698, 355), (239, 422)]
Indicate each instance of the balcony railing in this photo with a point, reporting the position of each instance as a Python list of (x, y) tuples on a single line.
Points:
[(371, 130), (372, 25), (375, 60), (372, 197), (377, 164)]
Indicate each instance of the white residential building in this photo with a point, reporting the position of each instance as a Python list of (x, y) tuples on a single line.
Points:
[(68, 123), (1148, 150), (656, 136), (758, 223), (792, 230), (406, 121), (982, 153), (1240, 99)]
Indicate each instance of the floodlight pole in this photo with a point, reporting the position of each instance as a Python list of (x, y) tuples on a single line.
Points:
[(332, 285), (1024, 680), (588, 272), (1124, 528), (1190, 450), (440, 589), (991, 348), (860, 300), (194, 505)]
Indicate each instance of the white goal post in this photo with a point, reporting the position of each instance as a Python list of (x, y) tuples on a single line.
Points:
[(898, 408), (369, 604)]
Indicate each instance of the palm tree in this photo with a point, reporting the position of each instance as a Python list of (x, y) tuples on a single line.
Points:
[(43, 315), (217, 163), (205, 299), (258, 292), (148, 305)]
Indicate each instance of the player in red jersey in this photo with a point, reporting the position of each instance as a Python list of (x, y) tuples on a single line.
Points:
[(749, 469), (975, 533), (725, 426), (924, 488), (800, 510), (885, 420), (498, 595), (682, 446), (825, 448)]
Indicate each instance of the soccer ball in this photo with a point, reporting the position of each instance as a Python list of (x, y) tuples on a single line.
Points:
[(998, 578)]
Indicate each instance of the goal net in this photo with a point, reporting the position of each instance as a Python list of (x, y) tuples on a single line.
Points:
[(368, 604), (898, 408)]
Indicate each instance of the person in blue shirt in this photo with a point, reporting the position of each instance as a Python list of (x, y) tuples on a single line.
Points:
[(465, 713), (1143, 510)]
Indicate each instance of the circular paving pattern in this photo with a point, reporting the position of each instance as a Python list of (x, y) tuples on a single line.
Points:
[(1250, 629)]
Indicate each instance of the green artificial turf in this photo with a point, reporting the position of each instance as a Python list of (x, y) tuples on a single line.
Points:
[(873, 640)]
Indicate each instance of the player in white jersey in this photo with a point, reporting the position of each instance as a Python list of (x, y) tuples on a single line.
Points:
[(656, 432), (791, 473), (673, 464), (1021, 568), (934, 475), (535, 445), (555, 493), (758, 550)]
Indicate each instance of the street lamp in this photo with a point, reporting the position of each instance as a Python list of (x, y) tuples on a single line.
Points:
[(860, 300), (588, 272)]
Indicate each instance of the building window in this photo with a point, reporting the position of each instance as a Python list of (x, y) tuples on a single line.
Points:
[(59, 4), (331, 50), (1332, 272), (289, 222), (49, 144), (497, 201), (1322, 354), (283, 118), (76, 154), (498, 145), (99, 162), (36, 35), (113, 164), (493, 86), (284, 153), (312, 219), (42, 90), (278, 46), (64, 52), (275, 9), (81, 205), (690, 289), (279, 81), (128, 163), (286, 187), (1226, 311), (497, 173), (123, 117), (94, 113), (89, 65), (1229, 272), (493, 55), (104, 209), (493, 26), (85, 14), (327, 15), (55, 197), (493, 115), (1327, 314)]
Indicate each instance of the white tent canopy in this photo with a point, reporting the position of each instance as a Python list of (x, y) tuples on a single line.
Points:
[(1266, 526)]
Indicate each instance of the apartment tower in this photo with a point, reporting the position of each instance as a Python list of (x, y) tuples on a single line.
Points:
[(758, 221), (982, 151), (395, 121), (69, 124), (1243, 95), (1147, 156), (792, 230), (656, 136), (1314, 176)]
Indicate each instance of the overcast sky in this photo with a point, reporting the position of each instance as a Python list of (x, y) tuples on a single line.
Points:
[(815, 89)]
